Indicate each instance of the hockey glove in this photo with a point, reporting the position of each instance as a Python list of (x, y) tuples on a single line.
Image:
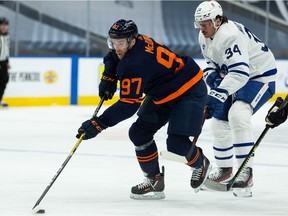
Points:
[(275, 117), (213, 80), (107, 86), (215, 101), (91, 128)]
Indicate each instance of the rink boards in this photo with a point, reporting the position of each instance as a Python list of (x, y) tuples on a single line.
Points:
[(72, 80)]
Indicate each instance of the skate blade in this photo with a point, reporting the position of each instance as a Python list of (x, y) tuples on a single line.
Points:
[(243, 192), (205, 188), (196, 190), (211, 185), (148, 196), (225, 182)]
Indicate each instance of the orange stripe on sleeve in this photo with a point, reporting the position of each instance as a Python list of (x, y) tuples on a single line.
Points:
[(131, 100), (183, 88)]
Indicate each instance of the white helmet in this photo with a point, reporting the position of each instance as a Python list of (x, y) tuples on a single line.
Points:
[(207, 10)]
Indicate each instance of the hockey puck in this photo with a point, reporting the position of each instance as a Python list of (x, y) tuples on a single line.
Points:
[(40, 211)]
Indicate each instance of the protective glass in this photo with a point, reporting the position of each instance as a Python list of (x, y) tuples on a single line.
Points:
[(120, 43)]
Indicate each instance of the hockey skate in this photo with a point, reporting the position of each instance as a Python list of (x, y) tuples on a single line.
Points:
[(200, 174), (151, 189), (221, 175), (243, 185)]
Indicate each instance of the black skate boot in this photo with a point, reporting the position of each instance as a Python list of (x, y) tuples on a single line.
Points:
[(243, 185), (221, 175), (200, 174), (151, 188)]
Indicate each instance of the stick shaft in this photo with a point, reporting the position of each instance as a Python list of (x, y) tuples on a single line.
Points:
[(59, 171), (66, 161), (195, 139), (284, 102)]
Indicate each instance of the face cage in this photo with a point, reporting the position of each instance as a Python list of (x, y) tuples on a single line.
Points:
[(110, 43)]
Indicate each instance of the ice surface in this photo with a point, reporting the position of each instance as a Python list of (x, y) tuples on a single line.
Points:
[(35, 141)]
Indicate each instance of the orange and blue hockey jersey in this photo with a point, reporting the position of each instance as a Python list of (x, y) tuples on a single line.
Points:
[(148, 68)]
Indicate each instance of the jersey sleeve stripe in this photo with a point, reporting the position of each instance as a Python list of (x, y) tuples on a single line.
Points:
[(238, 64), (267, 73), (183, 88), (131, 100), (240, 72), (208, 69)]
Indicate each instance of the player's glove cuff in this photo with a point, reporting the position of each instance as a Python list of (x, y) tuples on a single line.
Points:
[(107, 86), (219, 94), (91, 128)]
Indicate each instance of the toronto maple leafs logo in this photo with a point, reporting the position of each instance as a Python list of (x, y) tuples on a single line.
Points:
[(221, 70)]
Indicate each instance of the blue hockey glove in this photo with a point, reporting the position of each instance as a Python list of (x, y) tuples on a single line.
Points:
[(275, 117), (107, 86), (213, 80), (215, 100), (91, 128), (217, 81)]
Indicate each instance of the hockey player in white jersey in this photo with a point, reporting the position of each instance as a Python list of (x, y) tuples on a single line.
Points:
[(241, 74)]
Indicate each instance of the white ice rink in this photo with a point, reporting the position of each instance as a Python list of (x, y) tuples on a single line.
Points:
[(34, 142)]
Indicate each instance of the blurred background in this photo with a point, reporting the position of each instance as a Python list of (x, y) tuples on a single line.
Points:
[(57, 47), (80, 27)]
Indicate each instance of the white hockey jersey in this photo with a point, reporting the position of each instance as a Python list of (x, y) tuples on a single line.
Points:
[(238, 56)]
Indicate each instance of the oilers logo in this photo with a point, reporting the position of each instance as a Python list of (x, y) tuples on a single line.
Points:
[(50, 77)]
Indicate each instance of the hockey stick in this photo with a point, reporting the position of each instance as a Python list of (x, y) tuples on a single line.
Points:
[(183, 159), (226, 187), (65, 162)]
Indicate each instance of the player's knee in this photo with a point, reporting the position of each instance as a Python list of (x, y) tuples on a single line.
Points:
[(133, 133), (219, 128), (178, 144), (240, 115), (138, 135)]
